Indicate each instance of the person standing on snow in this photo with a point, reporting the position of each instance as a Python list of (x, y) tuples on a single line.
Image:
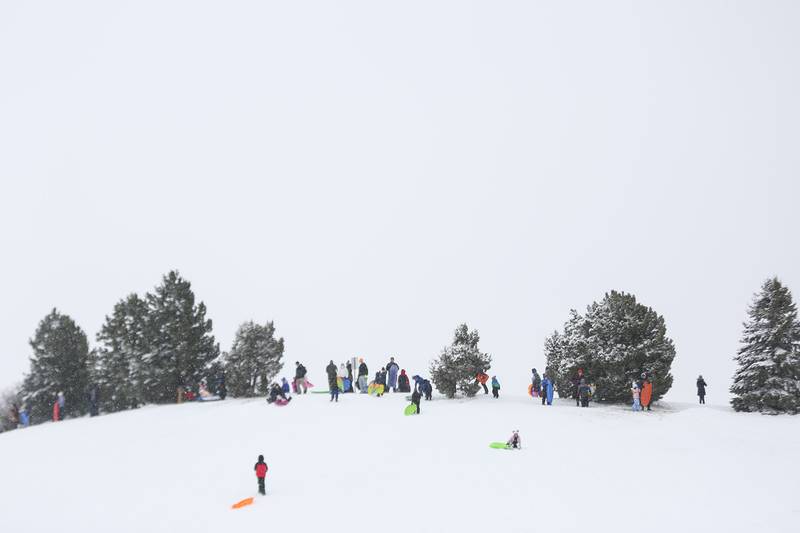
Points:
[(93, 401), (330, 370), (482, 377), (584, 392), (403, 385), (701, 388), (349, 368), (547, 390), (576, 384), (536, 381), (636, 392), (495, 387), (647, 392), (261, 473), (392, 368), (300, 378), (515, 442), (343, 375), (363, 376), (285, 387)]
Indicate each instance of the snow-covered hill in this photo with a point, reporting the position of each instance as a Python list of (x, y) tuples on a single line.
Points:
[(361, 465)]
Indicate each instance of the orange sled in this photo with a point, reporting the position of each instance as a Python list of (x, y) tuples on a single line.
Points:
[(243, 503)]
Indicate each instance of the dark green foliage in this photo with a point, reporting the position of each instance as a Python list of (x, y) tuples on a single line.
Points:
[(614, 342), (179, 340), (455, 369), (768, 377), (254, 360), (118, 360), (60, 362)]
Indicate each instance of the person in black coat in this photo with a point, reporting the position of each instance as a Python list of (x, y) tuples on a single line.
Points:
[(584, 391), (331, 371), (300, 378), (415, 399), (701, 389), (363, 376), (576, 384)]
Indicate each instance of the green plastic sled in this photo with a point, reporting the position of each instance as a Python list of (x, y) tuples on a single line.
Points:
[(411, 409), (500, 446)]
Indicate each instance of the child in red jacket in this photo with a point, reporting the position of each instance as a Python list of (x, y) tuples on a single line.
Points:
[(261, 472)]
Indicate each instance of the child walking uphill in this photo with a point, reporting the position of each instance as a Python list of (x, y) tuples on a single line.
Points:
[(495, 387), (261, 473), (416, 396)]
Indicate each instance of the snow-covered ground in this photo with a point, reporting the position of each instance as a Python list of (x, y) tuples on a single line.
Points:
[(361, 465)]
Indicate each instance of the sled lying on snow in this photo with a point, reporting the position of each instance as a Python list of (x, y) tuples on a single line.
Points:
[(500, 446), (410, 410), (243, 503)]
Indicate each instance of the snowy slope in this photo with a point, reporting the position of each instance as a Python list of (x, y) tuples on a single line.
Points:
[(359, 462)]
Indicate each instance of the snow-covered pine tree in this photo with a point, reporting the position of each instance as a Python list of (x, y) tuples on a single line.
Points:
[(768, 377), (179, 340), (254, 360), (60, 363), (455, 369), (118, 360), (614, 342)]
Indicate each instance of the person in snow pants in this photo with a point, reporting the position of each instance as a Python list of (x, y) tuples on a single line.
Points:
[(495, 387), (415, 398), (701, 389), (349, 368), (576, 384), (584, 391), (635, 392), (335, 392), (427, 389), (363, 376), (536, 381), (261, 473), (300, 379), (482, 378), (391, 370)]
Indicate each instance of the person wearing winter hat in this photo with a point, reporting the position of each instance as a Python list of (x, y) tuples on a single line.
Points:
[(515, 442), (403, 384), (495, 387), (261, 473)]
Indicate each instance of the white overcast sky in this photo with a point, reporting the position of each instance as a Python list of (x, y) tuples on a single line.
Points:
[(371, 174)]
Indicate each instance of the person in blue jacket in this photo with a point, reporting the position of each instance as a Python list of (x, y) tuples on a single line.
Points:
[(285, 386), (495, 387), (424, 386), (547, 390)]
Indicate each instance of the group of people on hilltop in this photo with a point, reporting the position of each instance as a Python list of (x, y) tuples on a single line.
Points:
[(542, 387), (390, 378)]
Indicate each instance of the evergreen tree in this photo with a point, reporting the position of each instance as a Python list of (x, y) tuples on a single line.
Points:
[(254, 360), (455, 369), (118, 360), (768, 377), (179, 340), (60, 363), (614, 343)]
